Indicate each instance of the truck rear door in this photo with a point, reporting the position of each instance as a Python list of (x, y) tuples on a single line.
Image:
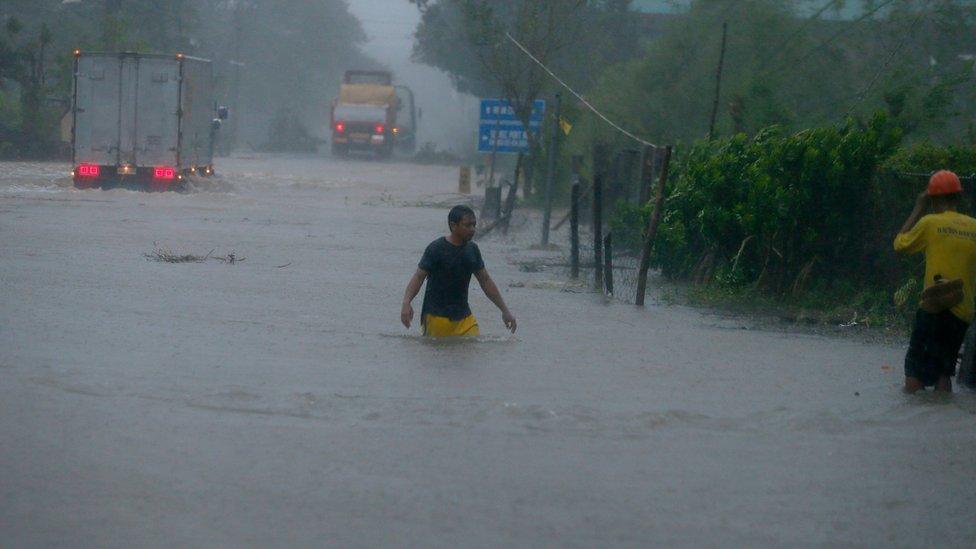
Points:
[(156, 113), (97, 110), (128, 103)]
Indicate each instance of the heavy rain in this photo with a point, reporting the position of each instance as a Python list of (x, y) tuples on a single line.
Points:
[(211, 212)]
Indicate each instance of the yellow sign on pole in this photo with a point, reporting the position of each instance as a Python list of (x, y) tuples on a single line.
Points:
[(464, 180)]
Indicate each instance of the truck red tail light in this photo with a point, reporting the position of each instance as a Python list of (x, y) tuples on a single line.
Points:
[(340, 127), (164, 172), (88, 170), (379, 128)]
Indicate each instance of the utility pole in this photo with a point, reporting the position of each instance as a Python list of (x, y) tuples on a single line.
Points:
[(237, 64), (551, 173), (718, 81)]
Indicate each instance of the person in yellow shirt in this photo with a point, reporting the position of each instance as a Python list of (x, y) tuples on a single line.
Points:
[(447, 266), (948, 240)]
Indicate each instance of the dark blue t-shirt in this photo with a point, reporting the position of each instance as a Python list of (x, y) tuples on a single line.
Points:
[(449, 269)]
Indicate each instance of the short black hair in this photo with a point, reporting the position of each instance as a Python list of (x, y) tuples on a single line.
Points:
[(953, 200), (458, 213)]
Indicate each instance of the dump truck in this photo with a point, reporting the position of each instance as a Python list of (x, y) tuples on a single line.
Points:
[(142, 120), (372, 114)]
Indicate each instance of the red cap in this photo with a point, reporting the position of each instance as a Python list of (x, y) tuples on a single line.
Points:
[(944, 182)]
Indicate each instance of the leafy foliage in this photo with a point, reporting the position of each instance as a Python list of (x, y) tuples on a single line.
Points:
[(785, 214), (785, 67)]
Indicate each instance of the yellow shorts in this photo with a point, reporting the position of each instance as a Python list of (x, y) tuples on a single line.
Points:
[(440, 326)]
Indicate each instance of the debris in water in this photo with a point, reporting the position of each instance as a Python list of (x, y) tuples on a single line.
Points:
[(165, 255), (231, 258)]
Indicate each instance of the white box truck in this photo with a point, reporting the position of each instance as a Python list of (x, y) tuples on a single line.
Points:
[(142, 120)]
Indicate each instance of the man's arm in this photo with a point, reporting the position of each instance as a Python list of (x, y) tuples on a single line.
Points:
[(921, 202), (488, 286), (413, 288)]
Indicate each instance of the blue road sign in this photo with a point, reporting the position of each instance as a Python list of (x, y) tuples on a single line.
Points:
[(499, 110), (500, 130)]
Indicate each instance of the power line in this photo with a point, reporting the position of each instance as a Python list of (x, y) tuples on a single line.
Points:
[(576, 94)]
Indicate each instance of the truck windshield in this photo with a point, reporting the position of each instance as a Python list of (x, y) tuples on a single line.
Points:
[(368, 78), (360, 113)]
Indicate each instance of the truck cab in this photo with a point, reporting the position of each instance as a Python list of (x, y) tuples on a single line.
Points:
[(371, 115)]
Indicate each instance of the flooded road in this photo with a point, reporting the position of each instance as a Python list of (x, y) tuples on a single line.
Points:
[(278, 401)]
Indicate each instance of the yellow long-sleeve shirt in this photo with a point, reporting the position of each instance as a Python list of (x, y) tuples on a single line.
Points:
[(948, 240)]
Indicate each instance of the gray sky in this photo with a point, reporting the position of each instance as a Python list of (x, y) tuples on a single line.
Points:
[(390, 25)]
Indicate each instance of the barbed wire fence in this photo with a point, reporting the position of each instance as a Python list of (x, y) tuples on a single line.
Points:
[(615, 264)]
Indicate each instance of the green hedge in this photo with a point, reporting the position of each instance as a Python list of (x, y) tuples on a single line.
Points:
[(789, 213)]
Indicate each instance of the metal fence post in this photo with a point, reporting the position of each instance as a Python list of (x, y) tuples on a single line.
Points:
[(608, 263), (551, 171), (574, 218), (599, 167)]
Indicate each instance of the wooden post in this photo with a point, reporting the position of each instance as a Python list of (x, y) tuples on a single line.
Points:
[(577, 180), (510, 199), (574, 218), (652, 224), (492, 208), (648, 154), (551, 170), (464, 180), (608, 263), (599, 169), (598, 229), (494, 155)]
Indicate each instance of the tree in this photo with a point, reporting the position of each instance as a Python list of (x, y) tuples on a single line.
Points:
[(28, 123), (469, 39), (787, 67)]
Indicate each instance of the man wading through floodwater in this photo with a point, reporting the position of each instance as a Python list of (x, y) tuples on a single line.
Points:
[(447, 265)]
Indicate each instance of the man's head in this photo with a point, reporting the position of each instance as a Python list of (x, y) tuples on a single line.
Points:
[(461, 221), (944, 190)]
